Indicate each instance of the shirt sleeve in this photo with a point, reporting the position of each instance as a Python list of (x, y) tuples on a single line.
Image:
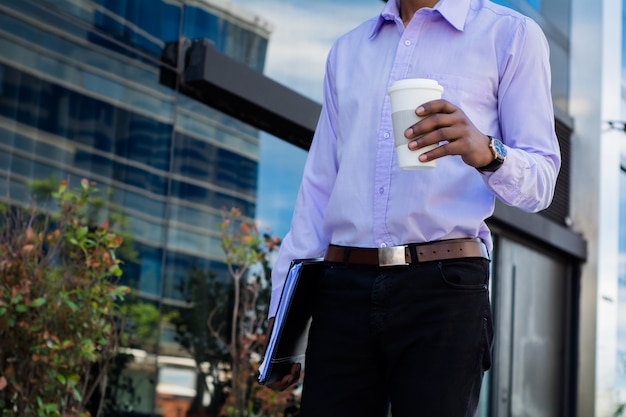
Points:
[(306, 237), (528, 176)]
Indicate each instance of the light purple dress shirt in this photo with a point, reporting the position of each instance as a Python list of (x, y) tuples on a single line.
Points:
[(493, 64)]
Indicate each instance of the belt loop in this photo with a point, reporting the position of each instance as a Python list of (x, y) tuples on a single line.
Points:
[(346, 255), (413, 252)]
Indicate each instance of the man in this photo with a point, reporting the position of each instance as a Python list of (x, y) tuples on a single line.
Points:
[(416, 335)]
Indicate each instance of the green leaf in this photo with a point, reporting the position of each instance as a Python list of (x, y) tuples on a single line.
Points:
[(77, 395), (115, 270), (21, 308), (3, 310), (38, 302), (82, 232), (61, 378), (71, 305)]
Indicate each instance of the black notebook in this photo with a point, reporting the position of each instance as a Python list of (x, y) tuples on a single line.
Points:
[(288, 340)]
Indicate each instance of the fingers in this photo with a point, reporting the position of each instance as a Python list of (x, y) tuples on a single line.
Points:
[(442, 134), (473, 150), (436, 106), (291, 378), (436, 114), (453, 148), (294, 373), (444, 122)]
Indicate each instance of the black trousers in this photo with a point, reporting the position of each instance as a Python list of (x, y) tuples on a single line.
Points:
[(414, 338)]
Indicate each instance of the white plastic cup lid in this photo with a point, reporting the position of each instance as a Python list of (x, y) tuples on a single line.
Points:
[(415, 83)]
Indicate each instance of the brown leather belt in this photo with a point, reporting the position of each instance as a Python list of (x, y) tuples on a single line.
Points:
[(408, 254)]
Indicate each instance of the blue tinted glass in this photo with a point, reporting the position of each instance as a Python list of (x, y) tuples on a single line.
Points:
[(203, 161), (199, 217), (502, 2), (20, 166), (95, 163), (18, 141), (140, 178), (201, 195), (86, 69), (536, 4), (233, 40), (143, 24), (151, 205), (94, 121), (35, 11), (23, 89), (199, 24), (136, 275), (142, 139), (85, 120), (182, 270), (150, 272)]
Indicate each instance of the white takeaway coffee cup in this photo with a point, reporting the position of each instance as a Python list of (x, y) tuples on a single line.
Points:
[(406, 96)]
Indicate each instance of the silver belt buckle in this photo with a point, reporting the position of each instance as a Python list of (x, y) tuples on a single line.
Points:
[(392, 256)]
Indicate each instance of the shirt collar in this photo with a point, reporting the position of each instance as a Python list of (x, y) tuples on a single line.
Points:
[(454, 11)]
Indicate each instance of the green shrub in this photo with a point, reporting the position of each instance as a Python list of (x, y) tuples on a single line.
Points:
[(59, 300)]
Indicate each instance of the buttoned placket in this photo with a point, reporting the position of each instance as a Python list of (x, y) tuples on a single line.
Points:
[(386, 158)]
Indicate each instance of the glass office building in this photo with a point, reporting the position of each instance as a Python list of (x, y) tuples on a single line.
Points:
[(82, 95), (89, 88)]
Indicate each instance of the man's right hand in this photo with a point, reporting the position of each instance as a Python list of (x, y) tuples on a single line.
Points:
[(293, 376), (288, 380)]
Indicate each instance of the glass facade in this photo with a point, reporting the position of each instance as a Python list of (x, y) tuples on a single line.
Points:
[(81, 97)]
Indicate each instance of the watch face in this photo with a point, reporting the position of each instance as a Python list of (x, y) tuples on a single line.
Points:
[(499, 154), (499, 148)]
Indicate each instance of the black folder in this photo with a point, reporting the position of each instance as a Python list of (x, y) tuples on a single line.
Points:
[(288, 340)]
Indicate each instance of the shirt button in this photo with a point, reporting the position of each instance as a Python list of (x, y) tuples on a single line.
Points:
[(383, 245), (407, 42), (381, 190), (386, 135)]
